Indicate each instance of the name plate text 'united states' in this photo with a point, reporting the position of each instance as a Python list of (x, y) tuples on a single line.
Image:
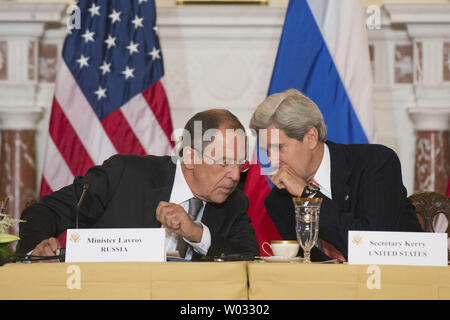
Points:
[(397, 248)]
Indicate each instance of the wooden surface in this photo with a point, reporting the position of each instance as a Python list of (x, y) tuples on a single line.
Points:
[(299, 281), (171, 281)]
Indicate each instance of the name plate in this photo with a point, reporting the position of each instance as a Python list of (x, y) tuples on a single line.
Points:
[(116, 245), (397, 248)]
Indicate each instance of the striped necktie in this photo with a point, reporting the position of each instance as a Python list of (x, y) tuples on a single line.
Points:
[(194, 208)]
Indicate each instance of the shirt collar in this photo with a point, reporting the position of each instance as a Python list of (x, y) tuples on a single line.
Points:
[(323, 174), (180, 190)]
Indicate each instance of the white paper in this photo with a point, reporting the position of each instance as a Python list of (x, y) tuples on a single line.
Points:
[(397, 248), (116, 245)]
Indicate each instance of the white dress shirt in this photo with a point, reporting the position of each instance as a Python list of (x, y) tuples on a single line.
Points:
[(323, 174), (181, 194)]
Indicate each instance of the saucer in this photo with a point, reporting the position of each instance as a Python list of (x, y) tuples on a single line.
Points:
[(280, 259)]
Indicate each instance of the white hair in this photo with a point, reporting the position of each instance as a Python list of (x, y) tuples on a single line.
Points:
[(292, 112)]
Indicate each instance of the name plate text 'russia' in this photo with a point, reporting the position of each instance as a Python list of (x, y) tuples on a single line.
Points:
[(115, 245), (397, 248)]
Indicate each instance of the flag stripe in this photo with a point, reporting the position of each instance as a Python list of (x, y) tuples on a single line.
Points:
[(45, 188), (121, 134), (305, 63), (350, 53), (99, 108), (82, 117), (157, 100), (67, 142), (56, 172), (257, 190), (146, 126)]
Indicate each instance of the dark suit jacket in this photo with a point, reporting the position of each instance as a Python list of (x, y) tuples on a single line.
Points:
[(124, 193), (367, 191)]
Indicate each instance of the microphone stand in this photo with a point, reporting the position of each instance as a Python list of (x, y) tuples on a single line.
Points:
[(83, 194), (62, 252)]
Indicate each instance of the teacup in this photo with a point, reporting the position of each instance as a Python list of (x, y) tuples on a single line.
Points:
[(282, 248)]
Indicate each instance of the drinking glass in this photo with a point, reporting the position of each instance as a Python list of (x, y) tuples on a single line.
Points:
[(307, 223)]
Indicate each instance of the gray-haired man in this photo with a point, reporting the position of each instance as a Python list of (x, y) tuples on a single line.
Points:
[(361, 185)]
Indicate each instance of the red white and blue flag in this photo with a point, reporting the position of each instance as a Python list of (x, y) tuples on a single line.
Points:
[(323, 53), (108, 95)]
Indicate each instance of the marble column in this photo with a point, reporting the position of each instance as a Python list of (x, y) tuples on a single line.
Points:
[(432, 160), (428, 28), (391, 57), (22, 26), (432, 111), (18, 159)]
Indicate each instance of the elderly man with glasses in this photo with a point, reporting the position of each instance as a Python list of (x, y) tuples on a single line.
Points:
[(194, 196)]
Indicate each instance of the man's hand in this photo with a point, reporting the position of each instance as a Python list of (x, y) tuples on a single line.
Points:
[(285, 178), (48, 247), (173, 217)]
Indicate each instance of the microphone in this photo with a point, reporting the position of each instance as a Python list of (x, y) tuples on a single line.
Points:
[(28, 258), (60, 253), (83, 194)]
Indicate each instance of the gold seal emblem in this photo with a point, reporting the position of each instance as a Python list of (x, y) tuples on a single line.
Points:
[(75, 237), (357, 240)]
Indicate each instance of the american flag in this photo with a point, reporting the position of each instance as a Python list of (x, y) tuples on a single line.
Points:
[(108, 95)]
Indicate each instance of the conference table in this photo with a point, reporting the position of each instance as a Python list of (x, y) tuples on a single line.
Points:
[(221, 281), (289, 281), (125, 280)]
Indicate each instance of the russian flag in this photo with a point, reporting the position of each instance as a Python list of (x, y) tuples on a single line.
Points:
[(323, 53)]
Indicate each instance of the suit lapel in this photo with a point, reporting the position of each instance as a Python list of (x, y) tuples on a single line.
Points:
[(280, 208), (213, 216), (340, 174), (155, 195)]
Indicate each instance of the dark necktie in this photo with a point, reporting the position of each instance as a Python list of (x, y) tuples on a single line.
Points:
[(194, 208)]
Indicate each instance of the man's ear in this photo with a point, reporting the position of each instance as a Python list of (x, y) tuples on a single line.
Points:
[(188, 157), (311, 138)]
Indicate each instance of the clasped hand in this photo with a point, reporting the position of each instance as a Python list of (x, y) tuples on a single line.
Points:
[(286, 178), (47, 248), (173, 217)]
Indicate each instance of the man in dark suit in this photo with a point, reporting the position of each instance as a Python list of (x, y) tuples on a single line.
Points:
[(130, 191), (361, 185)]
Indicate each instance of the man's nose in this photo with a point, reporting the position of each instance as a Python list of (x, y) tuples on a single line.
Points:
[(234, 172), (274, 159)]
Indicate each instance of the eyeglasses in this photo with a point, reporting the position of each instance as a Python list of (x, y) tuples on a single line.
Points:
[(243, 164)]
